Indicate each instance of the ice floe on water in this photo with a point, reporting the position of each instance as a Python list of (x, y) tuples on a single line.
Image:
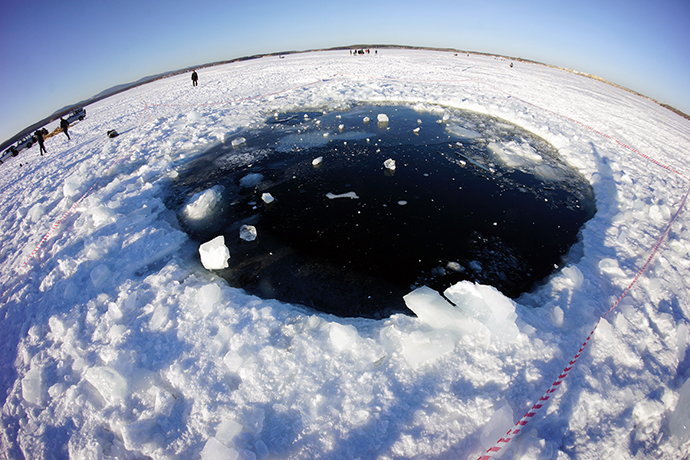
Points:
[(117, 342)]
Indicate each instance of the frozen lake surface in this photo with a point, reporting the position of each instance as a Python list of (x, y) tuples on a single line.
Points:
[(117, 341), (366, 211)]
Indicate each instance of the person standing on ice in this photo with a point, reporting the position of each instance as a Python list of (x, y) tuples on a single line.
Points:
[(39, 138), (64, 125), (195, 78)]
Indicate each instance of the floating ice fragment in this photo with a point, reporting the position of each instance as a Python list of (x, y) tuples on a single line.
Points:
[(366, 120), (317, 161), (267, 198), (402, 202), (214, 254), (204, 204), (389, 164), (248, 233), (238, 141), (251, 180), (382, 118), (341, 127), (416, 130), (462, 132), (456, 267), (351, 195)]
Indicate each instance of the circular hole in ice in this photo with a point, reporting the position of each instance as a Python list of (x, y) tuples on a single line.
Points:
[(470, 198)]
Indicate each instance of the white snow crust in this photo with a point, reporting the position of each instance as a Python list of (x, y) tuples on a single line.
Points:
[(116, 342)]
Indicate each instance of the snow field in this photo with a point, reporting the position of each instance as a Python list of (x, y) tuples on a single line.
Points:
[(118, 343)]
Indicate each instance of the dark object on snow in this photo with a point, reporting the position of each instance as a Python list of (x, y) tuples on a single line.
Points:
[(64, 125), (112, 133), (511, 65), (195, 78)]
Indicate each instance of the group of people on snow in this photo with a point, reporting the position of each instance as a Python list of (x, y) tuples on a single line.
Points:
[(42, 132)]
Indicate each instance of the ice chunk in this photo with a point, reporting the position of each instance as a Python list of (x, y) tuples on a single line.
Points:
[(416, 130), (36, 212), (267, 198), (248, 233), (456, 267), (351, 195), (557, 316), (32, 386), (193, 116), (431, 308), (159, 318), (515, 155), (101, 215), (317, 161), (204, 204), (207, 297), (72, 184), (251, 180), (679, 420), (227, 430), (419, 348), (402, 202), (237, 142), (499, 424), (462, 133), (215, 450), (682, 340), (232, 360), (574, 275), (100, 275), (109, 383), (487, 305), (382, 118), (214, 254), (366, 120), (389, 164), (343, 336)]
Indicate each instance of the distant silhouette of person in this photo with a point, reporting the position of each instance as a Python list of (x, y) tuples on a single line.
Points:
[(195, 78), (64, 124), (39, 137)]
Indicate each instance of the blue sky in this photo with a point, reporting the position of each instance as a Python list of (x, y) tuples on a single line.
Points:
[(53, 54)]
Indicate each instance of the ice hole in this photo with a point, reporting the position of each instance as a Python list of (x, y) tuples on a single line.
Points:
[(471, 198)]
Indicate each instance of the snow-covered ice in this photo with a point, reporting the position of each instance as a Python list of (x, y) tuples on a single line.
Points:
[(118, 343)]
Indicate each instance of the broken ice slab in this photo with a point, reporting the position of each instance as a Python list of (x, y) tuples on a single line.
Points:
[(267, 198), (248, 233), (351, 195), (214, 254), (389, 164)]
